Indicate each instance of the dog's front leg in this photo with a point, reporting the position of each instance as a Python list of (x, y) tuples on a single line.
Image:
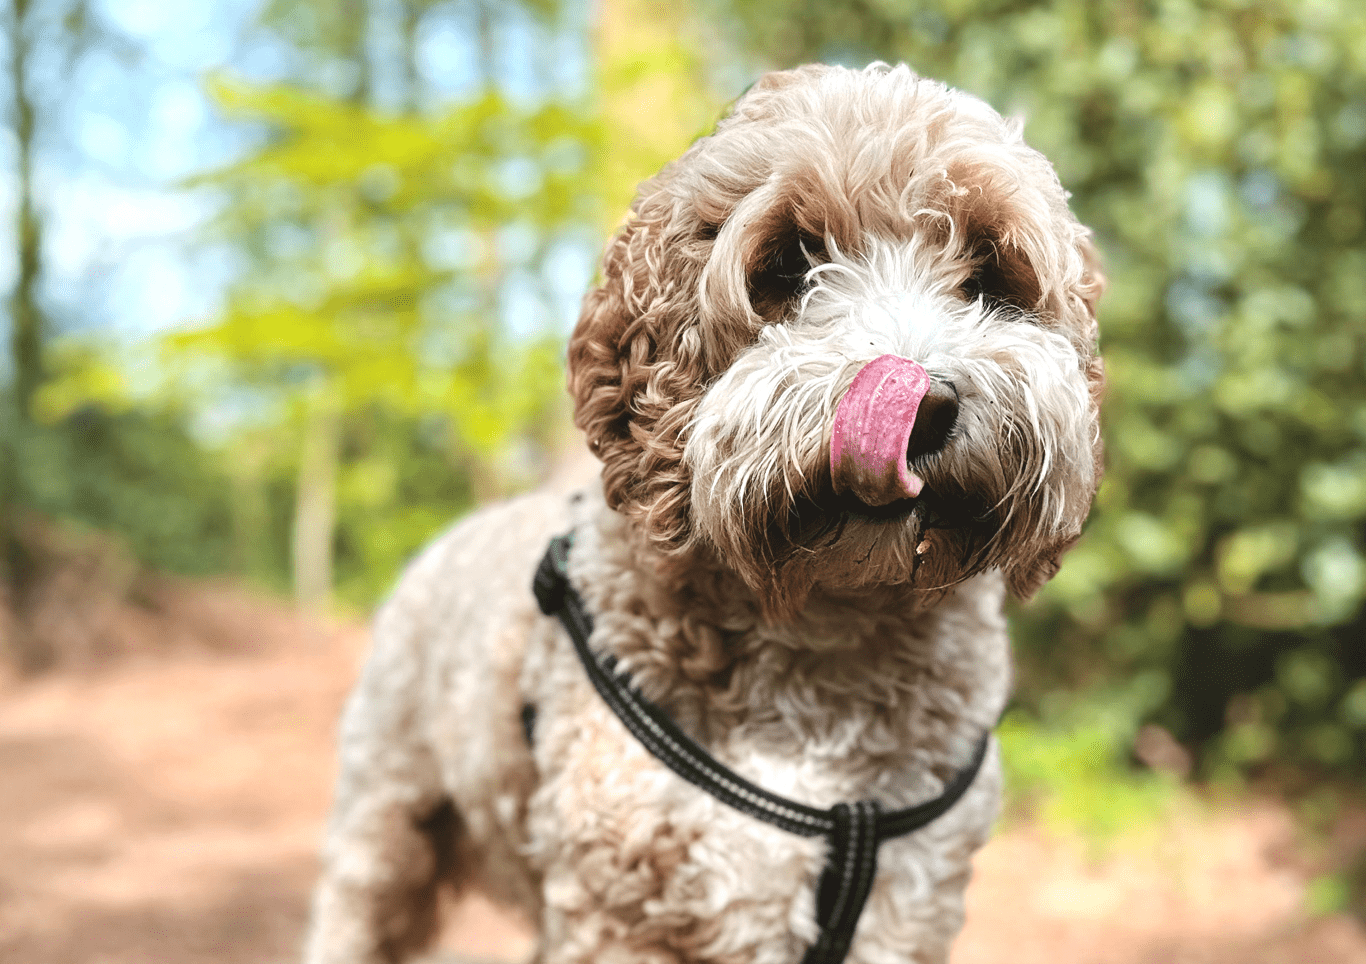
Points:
[(392, 836)]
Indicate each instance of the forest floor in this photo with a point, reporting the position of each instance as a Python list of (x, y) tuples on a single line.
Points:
[(167, 807)]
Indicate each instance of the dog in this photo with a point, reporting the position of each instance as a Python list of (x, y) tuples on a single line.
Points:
[(841, 373)]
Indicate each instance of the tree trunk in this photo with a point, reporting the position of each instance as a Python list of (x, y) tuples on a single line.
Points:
[(17, 566), (26, 320), (251, 529), (315, 497), (315, 506)]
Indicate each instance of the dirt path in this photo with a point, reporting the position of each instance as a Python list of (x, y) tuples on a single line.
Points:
[(169, 810)]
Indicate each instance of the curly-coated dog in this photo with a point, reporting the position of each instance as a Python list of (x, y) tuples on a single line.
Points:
[(841, 374)]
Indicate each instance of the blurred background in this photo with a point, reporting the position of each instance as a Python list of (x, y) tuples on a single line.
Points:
[(287, 290)]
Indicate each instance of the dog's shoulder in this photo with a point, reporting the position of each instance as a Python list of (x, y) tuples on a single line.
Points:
[(485, 559)]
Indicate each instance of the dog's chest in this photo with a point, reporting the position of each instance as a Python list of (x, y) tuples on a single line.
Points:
[(628, 846), (631, 853)]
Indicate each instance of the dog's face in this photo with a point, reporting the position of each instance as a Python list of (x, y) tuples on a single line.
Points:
[(848, 340)]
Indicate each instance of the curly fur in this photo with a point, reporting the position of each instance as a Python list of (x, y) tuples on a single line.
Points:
[(827, 649)]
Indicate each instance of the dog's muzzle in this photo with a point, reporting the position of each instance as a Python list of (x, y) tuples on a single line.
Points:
[(893, 413)]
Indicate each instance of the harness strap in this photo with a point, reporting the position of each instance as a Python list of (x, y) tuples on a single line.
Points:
[(853, 832), (846, 881)]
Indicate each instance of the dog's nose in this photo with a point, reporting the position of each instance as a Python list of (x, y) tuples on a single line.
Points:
[(934, 420)]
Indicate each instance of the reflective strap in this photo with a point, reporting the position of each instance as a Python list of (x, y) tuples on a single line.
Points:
[(853, 831), (847, 880)]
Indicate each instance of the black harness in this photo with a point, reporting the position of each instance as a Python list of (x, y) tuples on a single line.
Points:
[(853, 831)]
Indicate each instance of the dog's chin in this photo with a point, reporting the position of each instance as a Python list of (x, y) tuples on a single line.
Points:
[(839, 547)]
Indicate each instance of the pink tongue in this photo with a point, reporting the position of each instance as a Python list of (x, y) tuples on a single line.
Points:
[(872, 428)]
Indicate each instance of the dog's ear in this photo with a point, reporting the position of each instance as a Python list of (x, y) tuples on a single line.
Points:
[(1028, 577), (685, 286), (637, 360), (1088, 291), (1093, 281)]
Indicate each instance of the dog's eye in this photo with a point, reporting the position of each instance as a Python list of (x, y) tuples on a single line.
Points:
[(975, 286), (1001, 275), (779, 272)]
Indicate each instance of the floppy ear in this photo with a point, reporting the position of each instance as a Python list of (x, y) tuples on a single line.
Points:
[(1093, 281), (1028, 577), (1088, 291), (649, 340), (636, 365)]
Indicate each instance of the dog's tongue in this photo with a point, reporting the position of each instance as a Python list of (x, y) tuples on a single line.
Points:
[(872, 429)]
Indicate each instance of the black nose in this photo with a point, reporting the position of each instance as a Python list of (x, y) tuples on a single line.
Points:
[(934, 420)]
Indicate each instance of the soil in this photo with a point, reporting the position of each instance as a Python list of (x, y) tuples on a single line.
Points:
[(168, 807)]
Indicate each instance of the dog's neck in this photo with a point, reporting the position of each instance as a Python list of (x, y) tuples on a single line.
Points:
[(864, 676)]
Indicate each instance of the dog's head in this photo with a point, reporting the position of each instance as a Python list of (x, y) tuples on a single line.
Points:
[(848, 340)]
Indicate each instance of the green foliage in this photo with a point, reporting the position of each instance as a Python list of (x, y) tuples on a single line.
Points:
[(378, 249), (365, 372), (367, 335), (399, 484), (1217, 148), (1074, 771), (1328, 894), (135, 472), (373, 251)]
